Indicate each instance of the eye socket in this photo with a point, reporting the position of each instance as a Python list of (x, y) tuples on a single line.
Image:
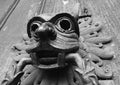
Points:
[(65, 25), (34, 26)]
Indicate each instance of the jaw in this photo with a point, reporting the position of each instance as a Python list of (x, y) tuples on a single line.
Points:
[(48, 59), (47, 56)]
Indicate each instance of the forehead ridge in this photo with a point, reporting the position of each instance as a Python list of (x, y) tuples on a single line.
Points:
[(46, 16)]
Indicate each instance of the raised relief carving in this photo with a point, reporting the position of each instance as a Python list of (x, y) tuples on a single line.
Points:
[(63, 49), (99, 48)]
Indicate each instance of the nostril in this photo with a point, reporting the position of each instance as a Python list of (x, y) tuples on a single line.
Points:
[(47, 34), (42, 35), (52, 34)]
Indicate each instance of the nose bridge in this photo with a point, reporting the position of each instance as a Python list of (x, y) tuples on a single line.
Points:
[(46, 31), (42, 27)]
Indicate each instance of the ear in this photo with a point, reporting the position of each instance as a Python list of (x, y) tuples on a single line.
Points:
[(76, 10)]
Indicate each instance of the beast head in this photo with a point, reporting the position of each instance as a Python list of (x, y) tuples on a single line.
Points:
[(57, 35)]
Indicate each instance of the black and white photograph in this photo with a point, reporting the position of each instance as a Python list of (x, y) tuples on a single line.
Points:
[(59, 42)]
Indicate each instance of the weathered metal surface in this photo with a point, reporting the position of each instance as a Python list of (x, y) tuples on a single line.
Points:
[(107, 11), (12, 30), (8, 12)]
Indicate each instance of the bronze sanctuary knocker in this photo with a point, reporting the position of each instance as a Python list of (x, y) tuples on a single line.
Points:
[(65, 48)]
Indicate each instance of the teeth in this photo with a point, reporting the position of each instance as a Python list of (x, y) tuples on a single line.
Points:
[(51, 58), (48, 67), (61, 59)]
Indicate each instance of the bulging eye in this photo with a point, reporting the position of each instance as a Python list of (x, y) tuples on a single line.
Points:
[(65, 25), (34, 26)]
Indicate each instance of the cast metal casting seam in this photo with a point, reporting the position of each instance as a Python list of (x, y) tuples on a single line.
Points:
[(8, 13)]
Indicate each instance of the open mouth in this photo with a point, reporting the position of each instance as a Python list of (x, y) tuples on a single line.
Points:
[(50, 59), (47, 57)]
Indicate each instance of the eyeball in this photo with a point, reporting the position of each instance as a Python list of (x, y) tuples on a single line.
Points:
[(65, 25), (34, 26)]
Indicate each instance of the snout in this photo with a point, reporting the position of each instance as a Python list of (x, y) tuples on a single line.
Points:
[(44, 31), (56, 38)]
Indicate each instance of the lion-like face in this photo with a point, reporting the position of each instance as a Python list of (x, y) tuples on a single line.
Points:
[(57, 36)]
